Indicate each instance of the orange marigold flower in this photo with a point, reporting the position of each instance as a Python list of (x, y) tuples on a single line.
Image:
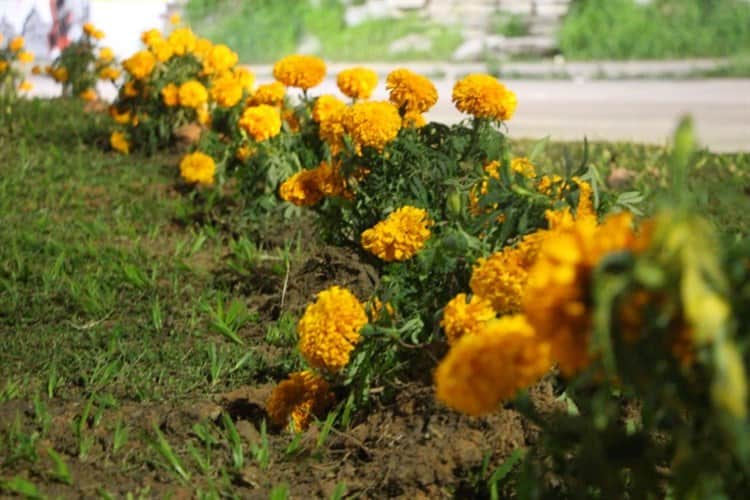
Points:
[(271, 94), (119, 142), (16, 44), (227, 90), (484, 97), (462, 318), (326, 107), (25, 86), (490, 366), (198, 168), (372, 124), (329, 329), (219, 59), (60, 74), (192, 94), (119, 117), (140, 65), (109, 73), (300, 397), (357, 83), (26, 57), (301, 189), (261, 122), (89, 95), (413, 119), (400, 236), (151, 36), (501, 278), (411, 92), (182, 40), (300, 71), (106, 55), (557, 299)]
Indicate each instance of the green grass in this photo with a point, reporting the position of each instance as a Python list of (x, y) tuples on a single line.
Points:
[(622, 29), (116, 313), (279, 27)]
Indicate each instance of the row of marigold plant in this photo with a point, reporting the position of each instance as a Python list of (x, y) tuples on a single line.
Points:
[(512, 272)]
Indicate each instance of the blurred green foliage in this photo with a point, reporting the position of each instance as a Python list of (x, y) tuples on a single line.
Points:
[(265, 30), (625, 29)]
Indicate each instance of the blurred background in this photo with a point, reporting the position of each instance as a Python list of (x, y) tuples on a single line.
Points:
[(572, 62)]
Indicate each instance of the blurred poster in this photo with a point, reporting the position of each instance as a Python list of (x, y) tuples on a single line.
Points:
[(47, 25)]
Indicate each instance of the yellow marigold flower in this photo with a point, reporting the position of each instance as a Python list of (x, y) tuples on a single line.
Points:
[(130, 89), (585, 206), (300, 71), (300, 397), (140, 65), (182, 40), (484, 97), (357, 83), (411, 92), (89, 95), (261, 122), (308, 187), (203, 115), (271, 94), (106, 55), (170, 95), (332, 131), (60, 74), (119, 117), (175, 19), (226, 90), (162, 50), (501, 278), (98, 34), (219, 59), (192, 94), (329, 329), (557, 301), (89, 29), (372, 124), (198, 168), (550, 185), (151, 36), (109, 73), (245, 77), (26, 57), (463, 318), (413, 119), (16, 44), (483, 369), (301, 189), (400, 236), (244, 152), (119, 142), (325, 107), (25, 86), (203, 47)]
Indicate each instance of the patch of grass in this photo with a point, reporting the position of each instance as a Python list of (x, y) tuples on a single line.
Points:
[(624, 29), (279, 27)]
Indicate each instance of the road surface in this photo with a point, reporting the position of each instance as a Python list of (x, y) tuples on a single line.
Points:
[(614, 110)]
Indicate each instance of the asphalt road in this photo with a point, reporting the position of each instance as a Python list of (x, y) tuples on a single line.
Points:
[(620, 110)]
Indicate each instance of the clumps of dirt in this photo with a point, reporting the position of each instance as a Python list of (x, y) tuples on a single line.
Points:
[(270, 292), (411, 448)]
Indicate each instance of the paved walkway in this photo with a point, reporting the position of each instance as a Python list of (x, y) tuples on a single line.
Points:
[(621, 110)]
